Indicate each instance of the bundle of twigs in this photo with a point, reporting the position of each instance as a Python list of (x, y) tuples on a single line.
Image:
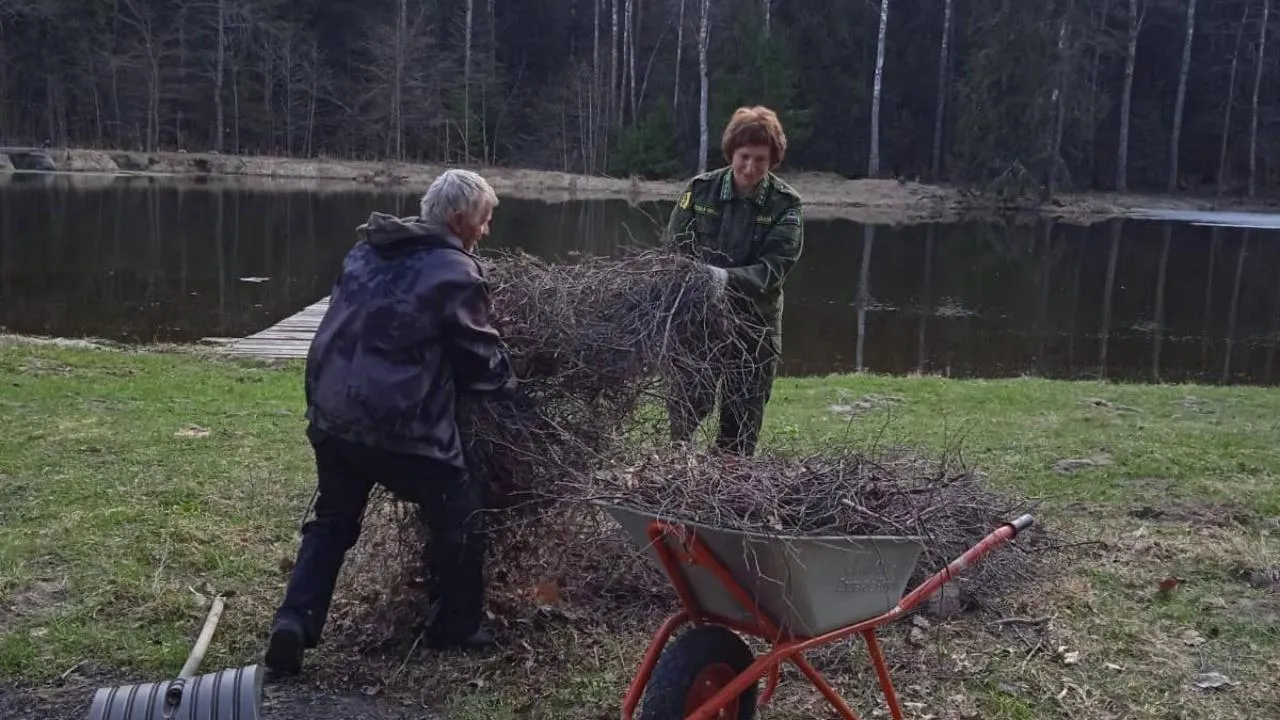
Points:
[(591, 343)]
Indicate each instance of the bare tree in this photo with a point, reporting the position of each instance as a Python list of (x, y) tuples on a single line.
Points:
[(149, 56), (1231, 101), (629, 47), (873, 164), (704, 39), (675, 99), (466, 84), (940, 105), (1257, 87), (1126, 98), (1059, 101), (1172, 184), (219, 74), (615, 96)]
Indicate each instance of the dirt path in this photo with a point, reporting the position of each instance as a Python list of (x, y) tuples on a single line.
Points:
[(827, 195), (279, 702)]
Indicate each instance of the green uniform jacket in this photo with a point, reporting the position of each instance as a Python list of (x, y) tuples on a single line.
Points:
[(757, 239)]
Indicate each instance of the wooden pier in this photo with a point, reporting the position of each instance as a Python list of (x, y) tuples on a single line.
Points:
[(286, 340)]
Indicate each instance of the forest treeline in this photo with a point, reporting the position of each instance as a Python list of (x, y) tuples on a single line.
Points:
[(1098, 94)]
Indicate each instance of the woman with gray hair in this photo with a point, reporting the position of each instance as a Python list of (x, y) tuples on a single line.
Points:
[(407, 330)]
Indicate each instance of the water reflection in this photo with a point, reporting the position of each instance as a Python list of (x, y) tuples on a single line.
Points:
[(146, 260)]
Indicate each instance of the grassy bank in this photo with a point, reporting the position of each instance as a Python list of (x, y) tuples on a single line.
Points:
[(133, 485), (827, 195)]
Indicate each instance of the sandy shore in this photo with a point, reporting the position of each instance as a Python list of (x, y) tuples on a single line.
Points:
[(826, 195)]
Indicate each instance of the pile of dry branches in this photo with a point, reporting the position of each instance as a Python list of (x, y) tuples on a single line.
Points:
[(595, 345)]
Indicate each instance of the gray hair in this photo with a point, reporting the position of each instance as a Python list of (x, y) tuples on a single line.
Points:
[(455, 191)]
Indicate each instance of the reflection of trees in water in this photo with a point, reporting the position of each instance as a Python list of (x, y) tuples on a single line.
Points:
[(864, 291), (148, 261), (1158, 331), (144, 262), (1235, 306), (1037, 298)]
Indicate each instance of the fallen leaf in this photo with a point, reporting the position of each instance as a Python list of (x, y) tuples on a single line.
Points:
[(1216, 603), (1071, 658), (547, 593), (1112, 666), (1168, 585)]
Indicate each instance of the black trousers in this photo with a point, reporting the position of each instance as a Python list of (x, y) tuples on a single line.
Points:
[(449, 502), (744, 385)]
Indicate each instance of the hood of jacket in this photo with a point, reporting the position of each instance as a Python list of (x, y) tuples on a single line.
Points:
[(382, 230)]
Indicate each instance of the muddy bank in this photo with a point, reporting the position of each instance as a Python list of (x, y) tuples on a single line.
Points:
[(827, 195)]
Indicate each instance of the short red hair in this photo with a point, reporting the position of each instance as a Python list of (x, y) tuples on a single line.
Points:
[(756, 125)]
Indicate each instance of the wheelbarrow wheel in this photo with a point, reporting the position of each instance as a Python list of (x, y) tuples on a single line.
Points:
[(693, 668)]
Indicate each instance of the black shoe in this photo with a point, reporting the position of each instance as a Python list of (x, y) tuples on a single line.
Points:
[(481, 639), (284, 649)]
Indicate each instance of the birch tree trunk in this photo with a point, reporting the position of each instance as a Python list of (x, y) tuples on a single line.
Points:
[(873, 163), (466, 83), (675, 95), (219, 71), (1257, 87), (615, 112), (1172, 183), (628, 61), (595, 99), (1231, 101), (1059, 106), (491, 78), (940, 106), (1126, 98), (397, 84), (703, 41), (768, 12), (635, 46), (1091, 138)]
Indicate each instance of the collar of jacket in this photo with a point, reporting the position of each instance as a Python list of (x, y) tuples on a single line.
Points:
[(760, 197)]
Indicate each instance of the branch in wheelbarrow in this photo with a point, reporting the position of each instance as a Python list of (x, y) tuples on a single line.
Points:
[(836, 494)]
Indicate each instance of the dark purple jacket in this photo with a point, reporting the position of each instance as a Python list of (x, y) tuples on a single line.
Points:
[(406, 331)]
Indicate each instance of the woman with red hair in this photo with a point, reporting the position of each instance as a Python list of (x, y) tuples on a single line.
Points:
[(746, 226)]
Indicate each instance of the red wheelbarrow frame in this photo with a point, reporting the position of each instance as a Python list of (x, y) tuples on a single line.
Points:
[(691, 550)]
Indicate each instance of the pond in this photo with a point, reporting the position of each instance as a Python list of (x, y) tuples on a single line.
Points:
[(166, 260)]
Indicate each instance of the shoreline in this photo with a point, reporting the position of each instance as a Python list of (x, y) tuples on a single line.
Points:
[(827, 196)]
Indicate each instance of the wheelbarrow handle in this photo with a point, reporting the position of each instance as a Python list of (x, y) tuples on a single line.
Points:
[(967, 560), (1022, 523)]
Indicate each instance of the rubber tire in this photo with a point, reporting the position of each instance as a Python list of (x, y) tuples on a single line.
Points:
[(683, 659)]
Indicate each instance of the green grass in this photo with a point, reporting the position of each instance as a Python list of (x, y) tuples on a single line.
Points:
[(133, 485)]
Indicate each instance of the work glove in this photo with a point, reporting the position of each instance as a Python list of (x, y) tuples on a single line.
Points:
[(719, 277)]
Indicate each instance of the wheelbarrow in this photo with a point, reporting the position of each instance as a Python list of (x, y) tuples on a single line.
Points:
[(797, 593), (232, 694)]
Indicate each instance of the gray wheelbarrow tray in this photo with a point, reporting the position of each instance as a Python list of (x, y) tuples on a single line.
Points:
[(231, 694), (807, 585)]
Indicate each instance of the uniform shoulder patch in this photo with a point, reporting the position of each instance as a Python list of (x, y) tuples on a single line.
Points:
[(686, 199), (791, 217)]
